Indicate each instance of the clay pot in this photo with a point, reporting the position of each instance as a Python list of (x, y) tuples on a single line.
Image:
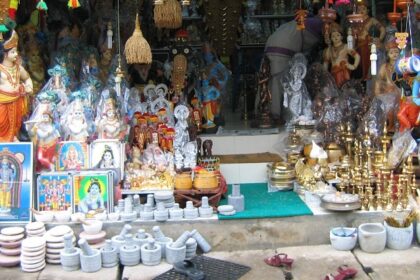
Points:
[(399, 238), (183, 181), (402, 4), (372, 237), (394, 18)]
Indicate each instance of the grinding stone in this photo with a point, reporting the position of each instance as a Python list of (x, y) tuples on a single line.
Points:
[(51, 261), (11, 238), (33, 242), (163, 195), (34, 226), (10, 252), (231, 213), (93, 238), (11, 245), (29, 269), (60, 231), (32, 254), (12, 231), (26, 260), (53, 256), (8, 261)]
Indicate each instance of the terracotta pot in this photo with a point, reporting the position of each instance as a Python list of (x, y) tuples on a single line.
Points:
[(402, 4)]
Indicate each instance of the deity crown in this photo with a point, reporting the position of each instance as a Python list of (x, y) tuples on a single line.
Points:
[(12, 42)]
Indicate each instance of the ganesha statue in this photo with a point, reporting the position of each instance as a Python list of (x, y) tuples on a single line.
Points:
[(74, 123)]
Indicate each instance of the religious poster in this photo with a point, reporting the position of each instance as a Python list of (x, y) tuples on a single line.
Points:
[(93, 192), (72, 155), (106, 154), (54, 191), (16, 182)]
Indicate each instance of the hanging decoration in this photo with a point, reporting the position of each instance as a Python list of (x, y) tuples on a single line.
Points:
[(168, 15), (394, 16), (179, 73), (185, 2), (109, 34), (137, 49), (373, 60), (401, 39), (342, 2), (350, 39), (42, 6), (4, 8), (73, 4), (356, 20), (159, 2), (300, 17), (13, 6), (403, 5), (328, 16)]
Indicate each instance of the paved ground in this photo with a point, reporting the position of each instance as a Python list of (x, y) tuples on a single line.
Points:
[(311, 262)]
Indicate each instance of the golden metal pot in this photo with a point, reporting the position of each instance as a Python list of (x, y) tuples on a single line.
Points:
[(334, 152)]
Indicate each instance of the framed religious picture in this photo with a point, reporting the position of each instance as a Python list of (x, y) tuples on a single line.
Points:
[(93, 192), (16, 176), (54, 191), (106, 154), (72, 155)]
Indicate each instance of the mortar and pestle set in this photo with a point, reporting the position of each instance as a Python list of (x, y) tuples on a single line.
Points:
[(93, 233)]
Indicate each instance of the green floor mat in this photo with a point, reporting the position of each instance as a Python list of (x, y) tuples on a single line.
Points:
[(261, 204)]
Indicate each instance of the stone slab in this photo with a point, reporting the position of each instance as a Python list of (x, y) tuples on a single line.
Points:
[(146, 272), (310, 262), (56, 272), (15, 273), (392, 264)]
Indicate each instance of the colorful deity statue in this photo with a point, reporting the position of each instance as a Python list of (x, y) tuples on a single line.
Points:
[(209, 97), (336, 56), (15, 86), (74, 122), (7, 177), (110, 126)]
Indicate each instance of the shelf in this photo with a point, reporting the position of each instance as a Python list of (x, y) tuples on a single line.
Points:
[(285, 16), (251, 46), (128, 191)]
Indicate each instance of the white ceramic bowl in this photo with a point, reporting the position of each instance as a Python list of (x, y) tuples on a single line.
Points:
[(92, 226), (113, 216), (101, 216), (45, 216), (62, 216), (76, 217), (343, 239)]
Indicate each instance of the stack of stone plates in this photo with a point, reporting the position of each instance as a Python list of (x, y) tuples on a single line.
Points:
[(96, 241), (35, 229), (32, 258), (55, 242), (10, 242), (166, 197)]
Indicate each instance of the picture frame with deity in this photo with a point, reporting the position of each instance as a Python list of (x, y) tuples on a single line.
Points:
[(54, 191), (16, 181), (106, 154), (93, 192), (72, 155)]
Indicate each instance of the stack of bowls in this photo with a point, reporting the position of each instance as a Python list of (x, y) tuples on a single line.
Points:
[(44, 216), (165, 197), (10, 245), (55, 242), (32, 258), (281, 175), (35, 229), (93, 233)]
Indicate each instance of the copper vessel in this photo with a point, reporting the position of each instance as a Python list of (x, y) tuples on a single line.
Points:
[(394, 18)]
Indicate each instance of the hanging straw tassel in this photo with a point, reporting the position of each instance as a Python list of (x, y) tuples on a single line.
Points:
[(137, 49), (73, 4), (42, 6), (168, 15)]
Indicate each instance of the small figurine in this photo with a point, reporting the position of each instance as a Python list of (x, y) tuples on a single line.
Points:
[(110, 126), (15, 86), (181, 127), (45, 136), (265, 97), (74, 122), (296, 97), (209, 97), (336, 56)]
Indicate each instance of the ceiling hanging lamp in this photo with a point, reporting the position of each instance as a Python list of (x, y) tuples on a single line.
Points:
[(394, 16)]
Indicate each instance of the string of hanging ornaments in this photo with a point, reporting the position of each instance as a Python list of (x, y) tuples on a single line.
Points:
[(168, 13)]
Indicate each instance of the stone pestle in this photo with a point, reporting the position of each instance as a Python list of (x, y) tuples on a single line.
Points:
[(161, 239), (84, 246), (125, 230), (204, 245), (236, 199), (68, 243), (158, 234), (176, 213), (161, 214), (119, 240), (151, 253), (151, 200), (190, 212), (181, 240)]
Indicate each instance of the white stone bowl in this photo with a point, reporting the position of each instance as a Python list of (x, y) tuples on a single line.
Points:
[(62, 216), (101, 216), (114, 216), (76, 217), (345, 242), (45, 217), (92, 226)]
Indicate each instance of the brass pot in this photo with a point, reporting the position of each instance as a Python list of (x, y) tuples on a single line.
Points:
[(334, 152)]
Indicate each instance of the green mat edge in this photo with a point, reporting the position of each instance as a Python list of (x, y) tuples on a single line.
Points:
[(238, 216)]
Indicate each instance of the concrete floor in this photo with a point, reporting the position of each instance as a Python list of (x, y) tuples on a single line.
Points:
[(310, 262)]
